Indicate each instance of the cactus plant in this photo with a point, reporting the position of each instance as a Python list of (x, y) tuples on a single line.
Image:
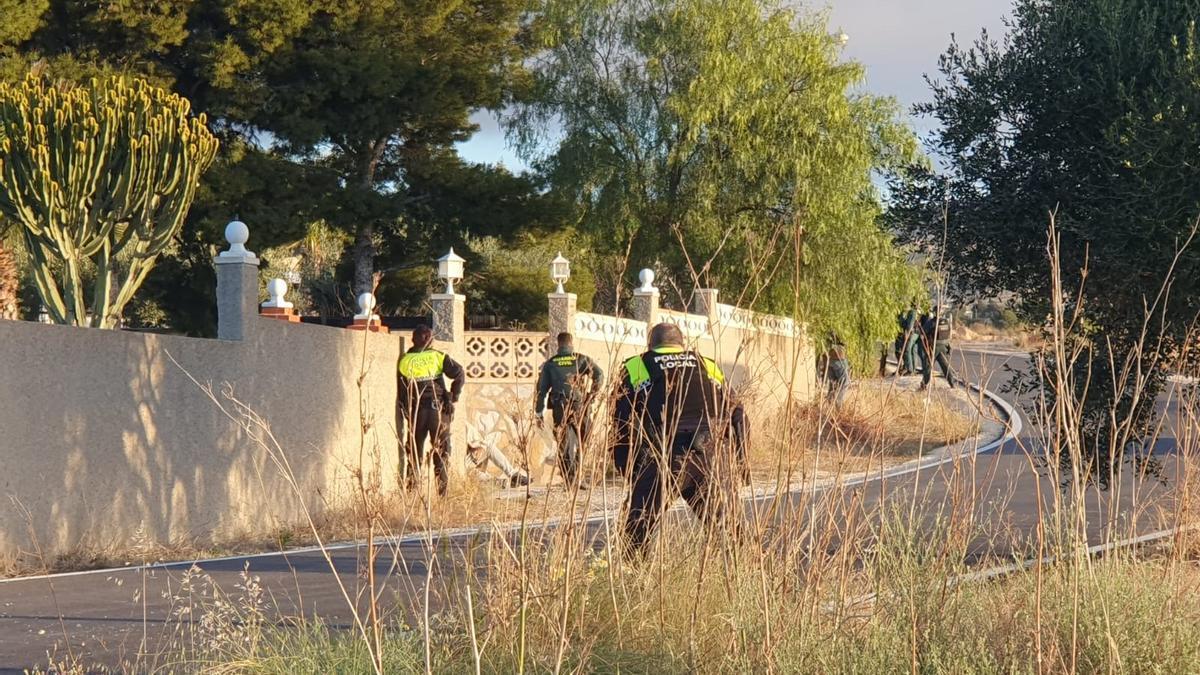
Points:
[(99, 179)]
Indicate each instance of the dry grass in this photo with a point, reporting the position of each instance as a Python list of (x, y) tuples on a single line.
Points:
[(879, 424), (1018, 338)]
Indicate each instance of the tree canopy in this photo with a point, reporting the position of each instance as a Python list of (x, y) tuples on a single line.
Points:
[(327, 111), (1089, 109), (726, 137)]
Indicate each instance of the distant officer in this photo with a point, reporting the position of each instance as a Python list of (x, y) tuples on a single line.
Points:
[(835, 369), (936, 328), (908, 341), (563, 380), (674, 415), (425, 406)]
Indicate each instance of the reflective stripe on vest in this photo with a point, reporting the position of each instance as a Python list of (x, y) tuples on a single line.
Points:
[(422, 366), (636, 370), (639, 375), (714, 371)]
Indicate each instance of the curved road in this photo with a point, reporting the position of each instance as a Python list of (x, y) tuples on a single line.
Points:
[(123, 617)]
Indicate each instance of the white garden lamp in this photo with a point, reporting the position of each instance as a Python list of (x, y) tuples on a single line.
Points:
[(450, 269), (560, 271)]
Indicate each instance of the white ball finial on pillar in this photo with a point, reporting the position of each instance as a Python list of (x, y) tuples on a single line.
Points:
[(277, 289), (646, 276), (237, 234), (366, 308)]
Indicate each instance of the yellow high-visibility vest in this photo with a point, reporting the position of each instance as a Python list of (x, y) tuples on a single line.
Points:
[(422, 366)]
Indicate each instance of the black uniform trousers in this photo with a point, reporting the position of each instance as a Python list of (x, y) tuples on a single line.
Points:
[(570, 414), (940, 354), (431, 422), (687, 471)]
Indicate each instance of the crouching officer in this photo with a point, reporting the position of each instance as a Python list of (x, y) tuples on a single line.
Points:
[(425, 406), (674, 416), (562, 381)]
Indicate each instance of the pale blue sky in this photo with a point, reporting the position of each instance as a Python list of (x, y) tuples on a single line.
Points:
[(898, 41)]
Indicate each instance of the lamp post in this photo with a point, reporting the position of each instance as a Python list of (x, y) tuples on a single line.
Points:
[(450, 269), (562, 303), (449, 308), (560, 271)]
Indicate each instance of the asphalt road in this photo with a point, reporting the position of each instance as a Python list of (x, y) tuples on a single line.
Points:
[(129, 618)]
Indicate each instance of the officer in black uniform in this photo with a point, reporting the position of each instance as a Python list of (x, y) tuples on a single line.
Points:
[(674, 414), (936, 329), (561, 381), (425, 406)]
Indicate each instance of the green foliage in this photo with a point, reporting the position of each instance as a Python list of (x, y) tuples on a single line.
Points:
[(327, 111), (101, 175), (314, 259), (513, 278), (367, 86), (1089, 109), (21, 19), (724, 138), (450, 202)]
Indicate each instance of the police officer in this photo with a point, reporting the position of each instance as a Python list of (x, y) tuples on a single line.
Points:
[(936, 328), (561, 381), (425, 406), (908, 341), (674, 415), (835, 369)]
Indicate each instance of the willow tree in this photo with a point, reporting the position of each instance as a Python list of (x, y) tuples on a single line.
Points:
[(727, 138), (99, 179)]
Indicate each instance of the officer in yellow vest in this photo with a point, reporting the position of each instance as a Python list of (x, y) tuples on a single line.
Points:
[(425, 405), (675, 415)]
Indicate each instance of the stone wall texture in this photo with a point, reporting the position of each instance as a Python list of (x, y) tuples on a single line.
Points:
[(769, 361)]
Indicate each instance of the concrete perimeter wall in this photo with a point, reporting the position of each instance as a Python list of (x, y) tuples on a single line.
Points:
[(110, 439), (106, 443)]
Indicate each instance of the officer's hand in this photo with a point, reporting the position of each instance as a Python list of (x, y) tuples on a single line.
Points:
[(541, 421)]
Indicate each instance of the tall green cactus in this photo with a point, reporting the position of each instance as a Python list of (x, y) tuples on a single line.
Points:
[(99, 178)]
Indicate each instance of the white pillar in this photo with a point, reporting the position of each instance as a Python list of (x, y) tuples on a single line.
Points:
[(237, 285), (645, 299)]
